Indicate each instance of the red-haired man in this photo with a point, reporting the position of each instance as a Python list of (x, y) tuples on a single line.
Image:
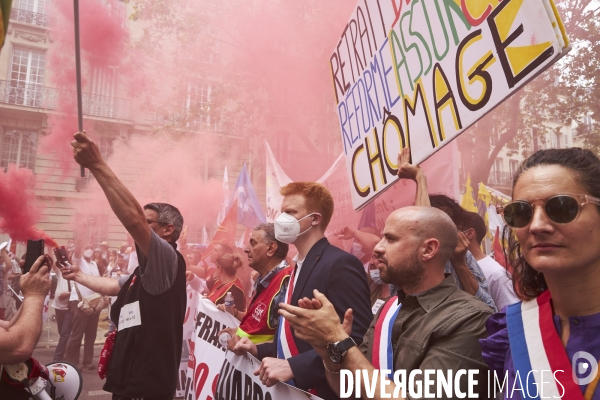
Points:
[(306, 209)]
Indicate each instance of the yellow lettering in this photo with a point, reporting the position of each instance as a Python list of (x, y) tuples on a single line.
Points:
[(444, 98), (375, 157), (362, 191), (517, 61)]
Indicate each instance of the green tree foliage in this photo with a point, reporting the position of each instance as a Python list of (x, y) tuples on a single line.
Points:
[(270, 77)]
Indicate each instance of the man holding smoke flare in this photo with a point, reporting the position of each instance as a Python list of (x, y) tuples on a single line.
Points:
[(151, 302)]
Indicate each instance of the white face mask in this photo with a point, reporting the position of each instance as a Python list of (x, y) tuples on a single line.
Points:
[(357, 250), (88, 253), (287, 228), (375, 276)]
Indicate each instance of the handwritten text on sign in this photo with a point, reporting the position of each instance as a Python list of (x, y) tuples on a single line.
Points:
[(419, 72), (238, 382), (206, 353)]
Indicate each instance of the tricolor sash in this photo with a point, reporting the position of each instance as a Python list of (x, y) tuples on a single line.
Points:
[(383, 352), (286, 346), (536, 346)]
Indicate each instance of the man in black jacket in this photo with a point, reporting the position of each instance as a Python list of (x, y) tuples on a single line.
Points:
[(306, 210), (150, 306)]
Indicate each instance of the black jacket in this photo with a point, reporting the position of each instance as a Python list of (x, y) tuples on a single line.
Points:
[(342, 279)]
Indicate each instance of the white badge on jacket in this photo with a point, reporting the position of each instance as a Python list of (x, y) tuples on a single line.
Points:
[(130, 316)]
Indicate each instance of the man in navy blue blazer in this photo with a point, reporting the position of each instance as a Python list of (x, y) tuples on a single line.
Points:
[(306, 211)]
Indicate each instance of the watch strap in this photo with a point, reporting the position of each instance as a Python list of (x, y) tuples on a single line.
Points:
[(345, 345)]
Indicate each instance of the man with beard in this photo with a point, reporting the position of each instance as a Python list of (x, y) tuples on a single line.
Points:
[(433, 324)]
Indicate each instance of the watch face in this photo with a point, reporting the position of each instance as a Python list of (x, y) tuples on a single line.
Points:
[(334, 353)]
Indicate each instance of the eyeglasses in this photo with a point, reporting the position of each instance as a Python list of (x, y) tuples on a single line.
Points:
[(561, 209)]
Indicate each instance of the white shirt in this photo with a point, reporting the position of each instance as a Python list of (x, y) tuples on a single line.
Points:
[(62, 286), (499, 283), (87, 268), (299, 266)]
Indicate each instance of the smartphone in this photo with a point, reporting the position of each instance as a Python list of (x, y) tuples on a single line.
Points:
[(62, 256), (35, 249)]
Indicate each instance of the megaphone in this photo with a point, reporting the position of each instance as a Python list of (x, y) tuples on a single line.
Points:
[(58, 380), (64, 381)]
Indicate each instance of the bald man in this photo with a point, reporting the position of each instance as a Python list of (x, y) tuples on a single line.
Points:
[(434, 325)]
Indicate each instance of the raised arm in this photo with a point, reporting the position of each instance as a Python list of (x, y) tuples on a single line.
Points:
[(19, 336), (6, 260), (103, 285), (121, 200), (406, 170)]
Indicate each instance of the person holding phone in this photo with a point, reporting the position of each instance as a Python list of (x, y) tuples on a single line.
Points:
[(19, 336)]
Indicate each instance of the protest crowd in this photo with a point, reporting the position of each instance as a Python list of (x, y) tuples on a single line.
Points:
[(304, 306), (419, 295)]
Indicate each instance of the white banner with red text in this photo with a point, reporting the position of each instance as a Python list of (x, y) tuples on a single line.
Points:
[(206, 355), (238, 382)]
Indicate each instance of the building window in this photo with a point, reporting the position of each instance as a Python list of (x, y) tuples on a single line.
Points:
[(558, 140), (212, 53), (498, 165), (97, 228), (18, 147), (32, 12), (102, 99), (27, 73), (514, 165), (495, 136), (198, 106)]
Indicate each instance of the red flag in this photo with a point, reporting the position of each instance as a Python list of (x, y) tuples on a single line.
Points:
[(227, 229), (498, 252)]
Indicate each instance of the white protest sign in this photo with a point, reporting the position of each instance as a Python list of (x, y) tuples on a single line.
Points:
[(189, 324), (206, 353), (419, 72), (238, 382)]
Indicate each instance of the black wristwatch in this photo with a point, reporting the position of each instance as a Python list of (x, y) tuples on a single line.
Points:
[(337, 350)]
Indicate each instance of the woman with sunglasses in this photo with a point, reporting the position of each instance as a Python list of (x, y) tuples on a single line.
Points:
[(548, 345)]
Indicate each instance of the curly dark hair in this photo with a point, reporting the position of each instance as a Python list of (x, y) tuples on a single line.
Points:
[(527, 282), (449, 206)]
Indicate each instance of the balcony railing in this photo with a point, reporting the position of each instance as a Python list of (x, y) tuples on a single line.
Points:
[(30, 17), (38, 96), (499, 178)]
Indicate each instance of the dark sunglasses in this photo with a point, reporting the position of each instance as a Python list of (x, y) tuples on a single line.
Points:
[(561, 209)]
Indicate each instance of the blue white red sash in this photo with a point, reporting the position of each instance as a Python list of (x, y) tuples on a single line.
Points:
[(536, 346), (286, 347), (383, 352)]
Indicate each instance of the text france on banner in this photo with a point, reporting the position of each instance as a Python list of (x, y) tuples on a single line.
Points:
[(206, 353), (419, 72), (237, 382)]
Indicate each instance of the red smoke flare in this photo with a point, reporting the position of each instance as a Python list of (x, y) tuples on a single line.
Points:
[(18, 214)]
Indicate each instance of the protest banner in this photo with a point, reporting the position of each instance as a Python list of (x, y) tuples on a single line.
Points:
[(417, 73), (189, 323), (206, 353), (237, 382)]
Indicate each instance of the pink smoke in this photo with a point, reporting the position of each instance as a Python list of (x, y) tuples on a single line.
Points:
[(18, 214), (103, 38)]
